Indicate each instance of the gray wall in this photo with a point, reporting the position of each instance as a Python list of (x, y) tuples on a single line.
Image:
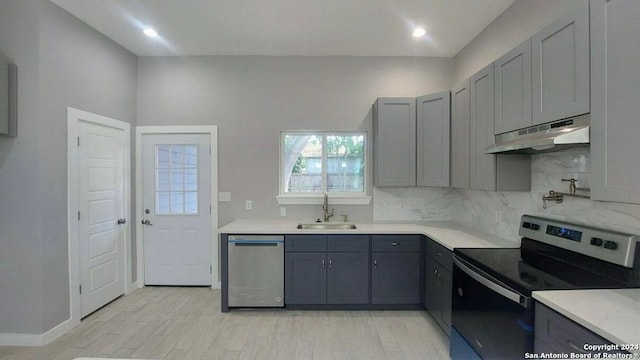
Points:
[(20, 241), (67, 64), (516, 24), (253, 98)]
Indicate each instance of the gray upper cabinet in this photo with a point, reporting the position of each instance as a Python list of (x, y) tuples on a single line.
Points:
[(460, 136), (615, 75), (561, 67), (433, 134), (482, 166), (503, 172), (513, 89), (394, 127)]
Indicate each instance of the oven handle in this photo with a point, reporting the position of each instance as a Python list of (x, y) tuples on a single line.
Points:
[(476, 274)]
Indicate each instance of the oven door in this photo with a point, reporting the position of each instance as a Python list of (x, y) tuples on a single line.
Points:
[(494, 320)]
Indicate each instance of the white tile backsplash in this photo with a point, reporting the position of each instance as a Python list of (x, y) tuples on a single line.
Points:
[(499, 212)]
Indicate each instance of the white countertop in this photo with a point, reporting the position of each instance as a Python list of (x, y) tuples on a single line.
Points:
[(612, 314), (449, 234)]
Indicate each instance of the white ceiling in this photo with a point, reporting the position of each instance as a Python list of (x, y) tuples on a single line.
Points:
[(289, 27)]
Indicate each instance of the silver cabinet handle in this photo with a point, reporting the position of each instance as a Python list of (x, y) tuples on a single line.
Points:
[(122, 221), (394, 243), (146, 222), (375, 264), (323, 263), (330, 264)]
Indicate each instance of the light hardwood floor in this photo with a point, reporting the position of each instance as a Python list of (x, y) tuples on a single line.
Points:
[(186, 323)]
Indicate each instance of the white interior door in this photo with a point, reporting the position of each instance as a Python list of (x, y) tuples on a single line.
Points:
[(101, 204), (176, 175)]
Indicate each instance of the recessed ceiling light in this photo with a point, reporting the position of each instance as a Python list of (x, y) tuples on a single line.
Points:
[(150, 32), (419, 32)]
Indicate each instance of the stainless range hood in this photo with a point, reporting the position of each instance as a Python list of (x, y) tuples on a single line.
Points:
[(554, 136)]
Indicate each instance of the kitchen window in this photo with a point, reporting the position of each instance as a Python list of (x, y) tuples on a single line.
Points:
[(315, 163)]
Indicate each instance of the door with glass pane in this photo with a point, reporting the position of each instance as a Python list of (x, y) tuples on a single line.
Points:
[(177, 211)]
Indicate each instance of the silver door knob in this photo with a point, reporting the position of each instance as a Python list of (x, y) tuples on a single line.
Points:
[(146, 222), (122, 221)]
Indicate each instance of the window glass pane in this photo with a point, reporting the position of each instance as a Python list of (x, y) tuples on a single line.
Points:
[(191, 156), (163, 205), (162, 179), (177, 179), (177, 202), (190, 202), (191, 179), (177, 156), (163, 155), (302, 163), (345, 163)]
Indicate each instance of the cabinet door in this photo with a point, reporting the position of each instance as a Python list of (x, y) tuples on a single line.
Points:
[(615, 75), (513, 89), (561, 67), (433, 128), (432, 298), (460, 136), (305, 278), (394, 129), (446, 284), (395, 278), (348, 278), (482, 166)]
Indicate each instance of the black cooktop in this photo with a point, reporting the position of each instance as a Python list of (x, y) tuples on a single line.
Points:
[(537, 266)]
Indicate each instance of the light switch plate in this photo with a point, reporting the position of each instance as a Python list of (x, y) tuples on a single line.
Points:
[(283, 211), (249, 205), (224, 196)]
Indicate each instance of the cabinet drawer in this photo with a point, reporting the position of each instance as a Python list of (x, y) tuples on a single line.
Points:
[(395, 243), (305, 243), (348, 243), (560, 333), (440, 253)]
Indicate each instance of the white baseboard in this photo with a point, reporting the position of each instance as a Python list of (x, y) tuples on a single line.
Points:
[(216, 285), (37, 339)]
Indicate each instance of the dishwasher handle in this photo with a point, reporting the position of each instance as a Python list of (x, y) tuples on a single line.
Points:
[(256, 242)]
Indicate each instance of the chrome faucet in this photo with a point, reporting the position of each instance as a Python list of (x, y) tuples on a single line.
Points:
[(325, 208)]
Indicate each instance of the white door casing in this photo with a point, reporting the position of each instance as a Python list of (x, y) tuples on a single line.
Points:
[(176, 201), (203, 262), (98, 193)]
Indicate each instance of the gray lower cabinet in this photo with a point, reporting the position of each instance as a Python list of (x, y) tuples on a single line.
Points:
[(305, 278), (394, 141), (326, 269), (560, 66), (397, 269), (555, 333), (438, 284), (348, 278), (615, 75)]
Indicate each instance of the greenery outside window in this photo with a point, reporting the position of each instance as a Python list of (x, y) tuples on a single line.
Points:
[(314, 163)]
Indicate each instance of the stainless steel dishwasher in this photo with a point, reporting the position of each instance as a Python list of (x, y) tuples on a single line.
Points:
[(256, 270)]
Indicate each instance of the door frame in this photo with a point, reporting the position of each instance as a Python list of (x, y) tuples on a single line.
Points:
[(212, 131), (74, 116)]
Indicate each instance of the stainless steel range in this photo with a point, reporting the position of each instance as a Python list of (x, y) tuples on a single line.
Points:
[(493, 311)]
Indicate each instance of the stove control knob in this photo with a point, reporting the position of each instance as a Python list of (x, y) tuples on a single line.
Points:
[(526, 225), (596, 241), (535, 226), (611, 245)]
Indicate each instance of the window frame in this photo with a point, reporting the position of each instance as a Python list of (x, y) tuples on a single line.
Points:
[(338, 198)]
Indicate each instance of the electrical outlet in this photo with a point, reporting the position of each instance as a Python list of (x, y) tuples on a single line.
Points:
[(248, 205), (283, 211)]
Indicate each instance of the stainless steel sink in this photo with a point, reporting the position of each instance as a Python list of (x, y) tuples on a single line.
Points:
[(327, 226)]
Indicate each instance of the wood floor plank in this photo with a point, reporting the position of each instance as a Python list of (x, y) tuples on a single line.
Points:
[(171, 323)]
